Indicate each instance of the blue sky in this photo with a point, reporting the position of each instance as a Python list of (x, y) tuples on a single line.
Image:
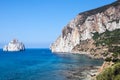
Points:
[(37, 23)]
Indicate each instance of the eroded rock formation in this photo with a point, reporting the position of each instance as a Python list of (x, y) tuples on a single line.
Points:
[(77, 35), (14, 45)]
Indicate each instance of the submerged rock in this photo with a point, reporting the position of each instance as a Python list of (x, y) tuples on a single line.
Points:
[(14, 45)]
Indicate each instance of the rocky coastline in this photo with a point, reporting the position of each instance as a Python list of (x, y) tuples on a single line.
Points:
[(94, 33), (80, 34)]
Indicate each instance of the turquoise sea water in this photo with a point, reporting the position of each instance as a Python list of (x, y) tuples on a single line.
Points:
[(40, 64)]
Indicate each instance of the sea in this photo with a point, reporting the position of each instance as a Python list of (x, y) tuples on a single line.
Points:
[(41, 64)]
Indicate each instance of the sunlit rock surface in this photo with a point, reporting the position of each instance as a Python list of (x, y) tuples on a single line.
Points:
[(14, 45), (80, 30)]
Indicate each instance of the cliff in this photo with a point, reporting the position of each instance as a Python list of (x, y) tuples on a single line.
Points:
[(77, 36)]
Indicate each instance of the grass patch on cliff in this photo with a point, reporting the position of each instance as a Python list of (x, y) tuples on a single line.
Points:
[(112, 73)]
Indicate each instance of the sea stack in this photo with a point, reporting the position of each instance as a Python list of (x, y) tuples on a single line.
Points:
[(14, 45)]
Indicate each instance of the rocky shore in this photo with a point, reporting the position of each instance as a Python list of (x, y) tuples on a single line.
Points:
[(87, 54), (84, 73)]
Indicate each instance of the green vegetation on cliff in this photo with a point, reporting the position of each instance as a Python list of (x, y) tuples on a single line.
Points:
[(112, 73), (107, 38), (111, 39)]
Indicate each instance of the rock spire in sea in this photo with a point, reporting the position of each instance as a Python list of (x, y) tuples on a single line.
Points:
[(14, 45)]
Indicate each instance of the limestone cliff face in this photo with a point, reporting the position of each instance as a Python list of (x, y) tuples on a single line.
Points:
[(80, 30)]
